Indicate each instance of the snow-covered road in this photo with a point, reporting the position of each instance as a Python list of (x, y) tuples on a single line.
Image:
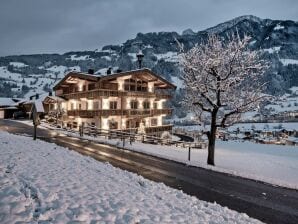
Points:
[(41, 181)]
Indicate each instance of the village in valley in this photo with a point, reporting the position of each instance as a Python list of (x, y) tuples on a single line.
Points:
[(167, 127)]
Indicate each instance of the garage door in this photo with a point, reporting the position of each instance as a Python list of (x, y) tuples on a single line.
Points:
[(1, 114)]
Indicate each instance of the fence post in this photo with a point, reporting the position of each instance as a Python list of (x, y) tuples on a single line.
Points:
[(189, 153), (82, 129), (123, 139)]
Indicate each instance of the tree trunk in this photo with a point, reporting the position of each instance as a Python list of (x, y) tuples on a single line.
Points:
[(212, 138)]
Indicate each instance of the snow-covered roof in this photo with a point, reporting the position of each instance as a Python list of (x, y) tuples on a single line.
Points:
[(53, 99), (41, 98), (6, 102), (94, 77), (39, 106)]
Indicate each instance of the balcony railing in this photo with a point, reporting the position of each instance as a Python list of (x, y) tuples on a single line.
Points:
[(119, 112), (96, 93), (155, 129)]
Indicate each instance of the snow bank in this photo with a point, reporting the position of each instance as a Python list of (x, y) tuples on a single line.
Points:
[(43, 182)]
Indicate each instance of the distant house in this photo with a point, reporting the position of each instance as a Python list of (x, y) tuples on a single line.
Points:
[(45, 102), (8, 106)]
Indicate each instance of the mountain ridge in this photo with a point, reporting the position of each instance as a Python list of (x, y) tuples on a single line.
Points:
[(24, 75)]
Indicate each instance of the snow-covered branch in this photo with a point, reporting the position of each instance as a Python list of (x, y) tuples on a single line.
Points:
[(223, 76)]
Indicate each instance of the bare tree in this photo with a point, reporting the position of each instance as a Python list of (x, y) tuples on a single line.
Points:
[(222, 80)]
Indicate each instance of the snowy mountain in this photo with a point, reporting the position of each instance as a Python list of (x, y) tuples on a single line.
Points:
[(25, 75)]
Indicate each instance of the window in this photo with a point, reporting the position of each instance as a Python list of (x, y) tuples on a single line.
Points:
[(91, 86), (80, 106), (113, 105), (153, 122), (86, 105), (155, 105), (71, 106), (134, 104), (146, 105), (95, 105), (113, 124)]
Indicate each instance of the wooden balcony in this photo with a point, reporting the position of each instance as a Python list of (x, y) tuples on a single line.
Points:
[(97, 93), (118, 112), (155, 129)]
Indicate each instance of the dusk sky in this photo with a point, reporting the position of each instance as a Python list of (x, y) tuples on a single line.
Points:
[(58, 26)]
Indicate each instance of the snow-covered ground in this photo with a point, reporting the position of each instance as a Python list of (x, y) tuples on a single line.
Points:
[(42, 182)]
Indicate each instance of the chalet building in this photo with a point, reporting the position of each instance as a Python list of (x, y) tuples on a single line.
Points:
[(132, 100), (47, 101)]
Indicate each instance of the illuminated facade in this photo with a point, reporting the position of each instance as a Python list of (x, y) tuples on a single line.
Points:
[(130, 100)]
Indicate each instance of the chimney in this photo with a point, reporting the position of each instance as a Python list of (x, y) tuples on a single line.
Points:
[(140, 56), (119, 70), (90, 71), (50, 93), (109, 71), (31, 98), (36, 96)]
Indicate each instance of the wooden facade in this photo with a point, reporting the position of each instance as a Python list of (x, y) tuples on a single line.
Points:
[(122, 101)]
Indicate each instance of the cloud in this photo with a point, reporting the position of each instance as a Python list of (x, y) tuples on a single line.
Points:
[(47, 26)]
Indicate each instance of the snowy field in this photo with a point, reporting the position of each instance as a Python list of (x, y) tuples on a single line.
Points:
[(43, 183)]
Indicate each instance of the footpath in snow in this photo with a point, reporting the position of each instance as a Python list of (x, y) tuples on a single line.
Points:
[(41, 181)]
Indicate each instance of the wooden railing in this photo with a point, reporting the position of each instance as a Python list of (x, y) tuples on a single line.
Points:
[(155, 129), (119, 112), (96, 93), (126, 137)]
